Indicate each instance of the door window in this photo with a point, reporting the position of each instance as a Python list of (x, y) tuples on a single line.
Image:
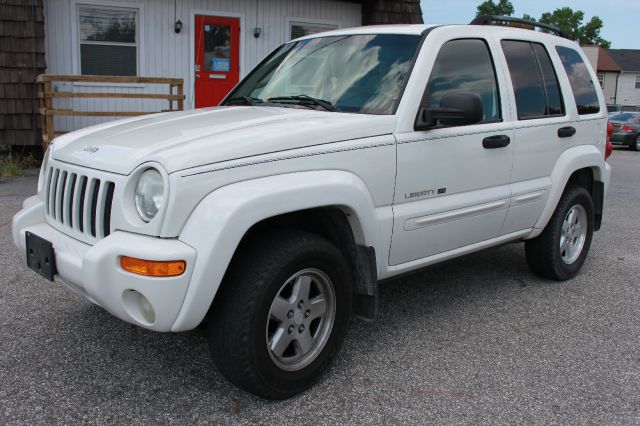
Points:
[(582, 85), (465, 66), (217, 48), (535, 83)]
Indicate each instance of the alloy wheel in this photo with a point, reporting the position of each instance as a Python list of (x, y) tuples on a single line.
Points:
[(573, 234), (300, 319)]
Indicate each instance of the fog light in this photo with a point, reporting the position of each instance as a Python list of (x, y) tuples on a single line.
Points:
[(153, 268), (146, 309)]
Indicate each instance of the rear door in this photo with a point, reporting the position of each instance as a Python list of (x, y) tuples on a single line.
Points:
[(547, 123), (451, 190)]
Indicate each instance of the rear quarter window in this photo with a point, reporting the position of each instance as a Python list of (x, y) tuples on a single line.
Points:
[(584, 90)]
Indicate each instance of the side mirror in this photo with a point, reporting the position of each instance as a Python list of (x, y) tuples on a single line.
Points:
[(456, 109)]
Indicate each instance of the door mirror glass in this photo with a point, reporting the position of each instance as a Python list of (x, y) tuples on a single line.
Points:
[(456, 109)]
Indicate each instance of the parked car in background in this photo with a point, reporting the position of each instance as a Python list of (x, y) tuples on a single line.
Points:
[(626, 129)]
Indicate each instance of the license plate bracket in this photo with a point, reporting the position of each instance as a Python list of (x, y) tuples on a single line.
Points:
[(40, 255)]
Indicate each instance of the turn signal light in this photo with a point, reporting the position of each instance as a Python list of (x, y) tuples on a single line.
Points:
[(153, 268)]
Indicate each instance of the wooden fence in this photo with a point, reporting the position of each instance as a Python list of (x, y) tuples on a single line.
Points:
[(46, 96)]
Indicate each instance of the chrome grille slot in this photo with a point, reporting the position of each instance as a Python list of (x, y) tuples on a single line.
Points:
[(69, 204), (79, 203), (95, 189), (106, 217), (62, 181)]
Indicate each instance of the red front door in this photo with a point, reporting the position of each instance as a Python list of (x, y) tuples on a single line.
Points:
[(217, 58)]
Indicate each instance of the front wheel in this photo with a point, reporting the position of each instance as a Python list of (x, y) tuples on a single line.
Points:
[(282, 313), (561, 249)]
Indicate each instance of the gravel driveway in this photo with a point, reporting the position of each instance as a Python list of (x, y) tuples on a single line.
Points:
[(475, 340)]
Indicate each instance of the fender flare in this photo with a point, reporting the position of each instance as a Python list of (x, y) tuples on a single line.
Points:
[(222, 218), (571, 160)]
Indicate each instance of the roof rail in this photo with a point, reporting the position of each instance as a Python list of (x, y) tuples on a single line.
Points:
[(493, 19)]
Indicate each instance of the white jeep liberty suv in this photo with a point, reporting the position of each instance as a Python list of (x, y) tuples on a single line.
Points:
[(342, 159)]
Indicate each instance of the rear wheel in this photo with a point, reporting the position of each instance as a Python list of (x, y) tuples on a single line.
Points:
[(560, 251), (281, 314), (636, 145)]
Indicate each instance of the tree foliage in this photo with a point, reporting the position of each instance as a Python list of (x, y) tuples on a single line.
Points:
[(503, 7), (572, 22), (565, 18)]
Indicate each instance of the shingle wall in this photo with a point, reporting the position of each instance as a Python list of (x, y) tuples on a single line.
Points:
[(391, 12), (21, 60)]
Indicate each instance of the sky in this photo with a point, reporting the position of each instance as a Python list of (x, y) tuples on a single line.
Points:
[(621, 17)]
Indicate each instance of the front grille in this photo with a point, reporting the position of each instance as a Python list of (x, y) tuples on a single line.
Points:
[(79, 202)]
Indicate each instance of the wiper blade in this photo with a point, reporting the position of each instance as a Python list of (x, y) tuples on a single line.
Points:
[(305, 98), (246, 99)]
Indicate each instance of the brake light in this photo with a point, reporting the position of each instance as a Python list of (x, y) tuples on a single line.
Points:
[(628, 129), (608, 147)]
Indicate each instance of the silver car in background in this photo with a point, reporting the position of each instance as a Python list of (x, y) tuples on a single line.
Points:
[(626, 129)]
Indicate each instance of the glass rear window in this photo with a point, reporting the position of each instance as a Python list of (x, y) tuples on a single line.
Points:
[(584, 90), (623, 117)]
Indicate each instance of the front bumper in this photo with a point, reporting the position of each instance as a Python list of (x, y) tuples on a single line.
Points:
[(94, 271)]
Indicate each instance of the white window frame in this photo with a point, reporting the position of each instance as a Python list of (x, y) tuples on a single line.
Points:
[(601, 79), (290, 21), (637, 85), (75, 37)]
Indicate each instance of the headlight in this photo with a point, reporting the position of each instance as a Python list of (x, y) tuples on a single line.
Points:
[(43, 169), (149, 194)]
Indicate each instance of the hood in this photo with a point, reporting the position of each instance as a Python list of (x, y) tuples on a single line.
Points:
[(192, 138)]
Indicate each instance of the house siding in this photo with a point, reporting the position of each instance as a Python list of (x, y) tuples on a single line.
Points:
[(628, 95), (163, 53), (610, 86)]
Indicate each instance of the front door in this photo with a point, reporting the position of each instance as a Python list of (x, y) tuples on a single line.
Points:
[(452, 184), (217, 58)]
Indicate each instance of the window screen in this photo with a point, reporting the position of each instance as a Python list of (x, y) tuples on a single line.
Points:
[(465, 66), (299, 29), (582, 86), (108, 41), (637, 81), (535, 83)]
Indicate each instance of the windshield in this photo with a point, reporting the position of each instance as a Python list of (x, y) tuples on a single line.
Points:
[(355, 73)]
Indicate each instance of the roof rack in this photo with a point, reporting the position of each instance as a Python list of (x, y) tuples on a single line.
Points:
[(493, 19)]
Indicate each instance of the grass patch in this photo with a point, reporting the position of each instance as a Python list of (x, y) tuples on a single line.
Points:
[(15, 165)]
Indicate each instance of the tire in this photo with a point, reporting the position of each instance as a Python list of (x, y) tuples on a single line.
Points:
[(248, 315), (545, 254), (636, 145)]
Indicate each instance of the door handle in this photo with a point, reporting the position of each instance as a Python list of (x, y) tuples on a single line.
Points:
[(566, 132), (499, 141)]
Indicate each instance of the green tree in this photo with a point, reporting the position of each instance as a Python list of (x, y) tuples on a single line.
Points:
[(503, 7), (563, 18), (571, 22)]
